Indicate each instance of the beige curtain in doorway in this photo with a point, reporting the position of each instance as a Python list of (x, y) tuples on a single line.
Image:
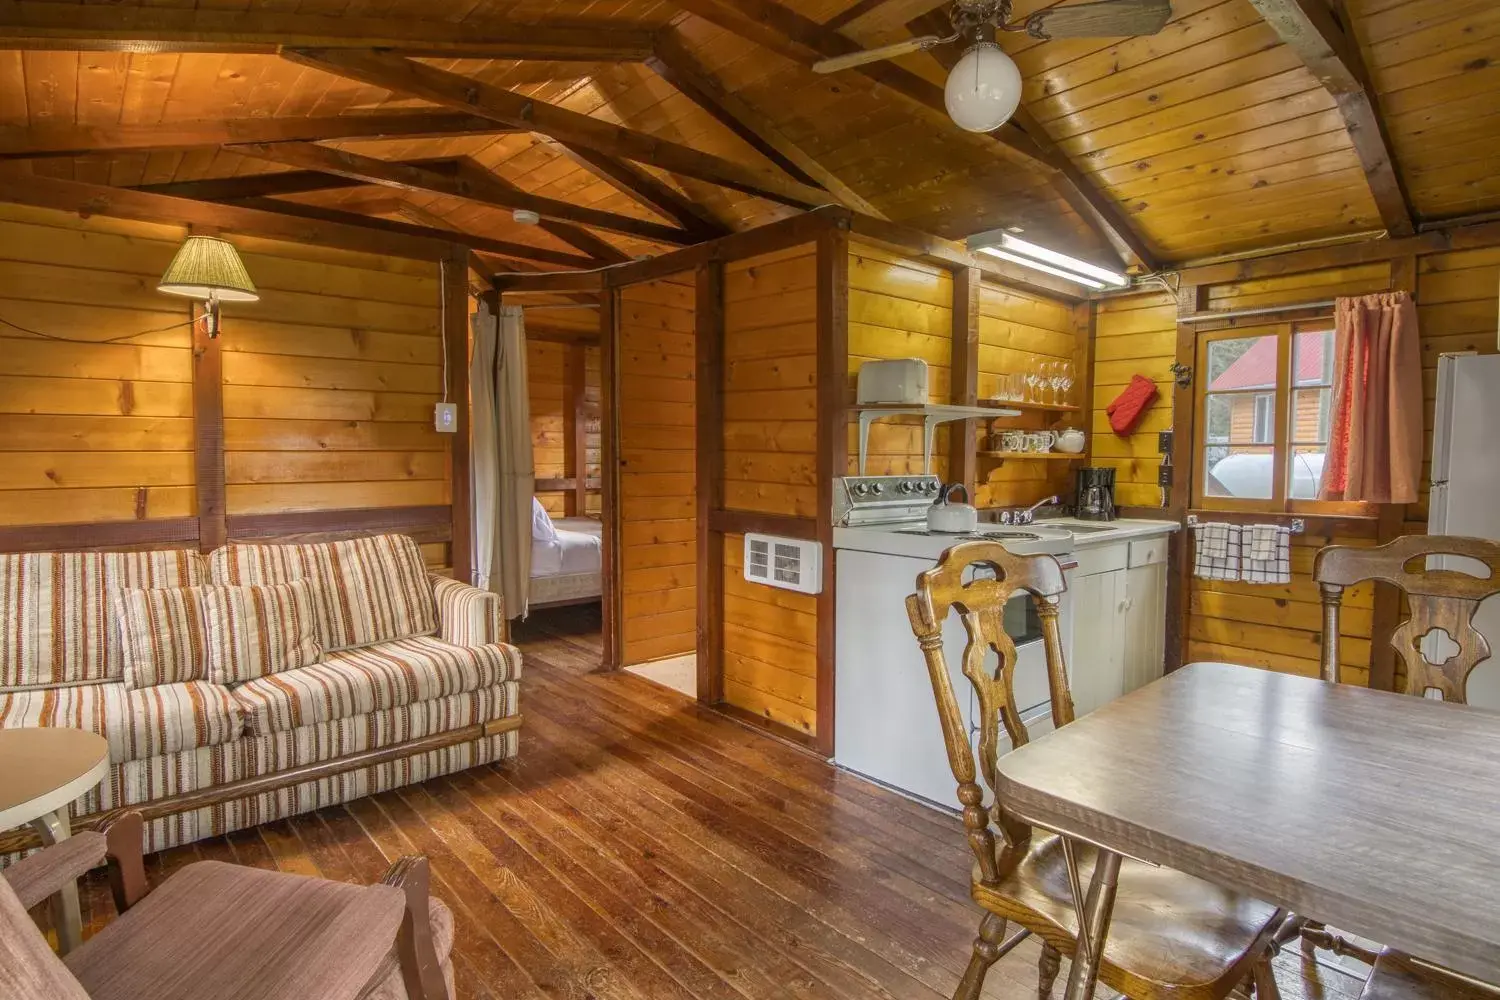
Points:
[(1375, 425), (504, 475)]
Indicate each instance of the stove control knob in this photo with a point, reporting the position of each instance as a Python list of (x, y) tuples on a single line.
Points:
[(861, 489), (931, 488), (905, 488), (877, 489)]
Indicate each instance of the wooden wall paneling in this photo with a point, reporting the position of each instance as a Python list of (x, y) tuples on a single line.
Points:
[(657, 435), (208, 438), (963, 437), (548, 389), (455, 333), (709, 344), (578, 427), (770, 437), (609, 411), (833, 290)]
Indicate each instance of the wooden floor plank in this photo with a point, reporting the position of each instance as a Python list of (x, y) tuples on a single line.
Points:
[(644, 846)]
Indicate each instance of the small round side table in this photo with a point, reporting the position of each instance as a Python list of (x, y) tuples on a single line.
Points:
[(42, 770)]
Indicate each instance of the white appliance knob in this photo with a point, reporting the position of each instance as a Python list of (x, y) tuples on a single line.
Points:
[(877, 489), (860, 489), (904, 488)]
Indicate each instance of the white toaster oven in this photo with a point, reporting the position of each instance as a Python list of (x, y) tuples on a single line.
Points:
[(901, 381)]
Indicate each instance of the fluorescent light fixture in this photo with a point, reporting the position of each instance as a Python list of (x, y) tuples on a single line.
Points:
[(1005, 245), (1037, 265)]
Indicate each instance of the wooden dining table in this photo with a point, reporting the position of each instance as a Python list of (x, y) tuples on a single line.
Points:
[(1375, 813)]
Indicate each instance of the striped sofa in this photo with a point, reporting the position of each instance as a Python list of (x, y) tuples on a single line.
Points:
[(403, 656)]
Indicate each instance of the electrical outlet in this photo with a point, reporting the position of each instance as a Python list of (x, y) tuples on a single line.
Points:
[(445, 418)]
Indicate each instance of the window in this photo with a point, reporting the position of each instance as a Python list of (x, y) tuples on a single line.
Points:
[(1264, 400)]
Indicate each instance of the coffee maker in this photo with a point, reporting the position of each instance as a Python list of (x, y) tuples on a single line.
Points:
[(1096, 494)]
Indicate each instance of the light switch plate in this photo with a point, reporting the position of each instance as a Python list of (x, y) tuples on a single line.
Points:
[(445, 418)]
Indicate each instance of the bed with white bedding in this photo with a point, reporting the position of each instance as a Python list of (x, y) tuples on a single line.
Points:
[(567, 559)]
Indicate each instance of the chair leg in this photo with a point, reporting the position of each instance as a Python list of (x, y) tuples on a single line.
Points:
[(1319, 936), (986, 954), (1263, 976), (1048, 967)]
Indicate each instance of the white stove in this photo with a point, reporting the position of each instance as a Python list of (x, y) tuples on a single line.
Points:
[(887, 725)]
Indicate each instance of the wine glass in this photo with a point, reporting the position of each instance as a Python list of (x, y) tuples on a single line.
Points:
[(1033, 383), (1059, 372), (1067, 381)]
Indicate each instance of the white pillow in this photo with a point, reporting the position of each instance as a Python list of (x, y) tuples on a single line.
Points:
[(542, 528)]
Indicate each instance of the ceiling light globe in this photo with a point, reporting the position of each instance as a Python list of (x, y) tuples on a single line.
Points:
[(984, 89)]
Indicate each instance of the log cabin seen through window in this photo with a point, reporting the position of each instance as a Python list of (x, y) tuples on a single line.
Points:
[(1262, 425)]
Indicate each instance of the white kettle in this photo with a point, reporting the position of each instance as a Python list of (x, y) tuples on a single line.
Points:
[(952, 518)]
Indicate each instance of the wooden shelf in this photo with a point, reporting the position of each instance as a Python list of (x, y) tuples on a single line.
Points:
[(1008, 404), (1032, 456)]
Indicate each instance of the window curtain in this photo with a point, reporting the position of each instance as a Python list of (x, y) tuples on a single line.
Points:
[(504, 475), (1375, 436)]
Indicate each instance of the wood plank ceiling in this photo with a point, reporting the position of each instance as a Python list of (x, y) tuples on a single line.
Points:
[(1214, 136)]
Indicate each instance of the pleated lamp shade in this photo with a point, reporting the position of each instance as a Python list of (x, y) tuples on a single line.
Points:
[(209, 269)]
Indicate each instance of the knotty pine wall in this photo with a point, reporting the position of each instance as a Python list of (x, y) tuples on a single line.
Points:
[(770, 467), (551, 401), (328, 382), (1279, 627), (657, 450)]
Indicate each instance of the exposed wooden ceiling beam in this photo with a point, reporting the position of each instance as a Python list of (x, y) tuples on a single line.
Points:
[(1310, 28), (840, 21), (33, 141), (252, 186), (483, 244), (483, 265), (461, 93), (1103, 213), (111, 27), (679, 67), (575, 236), (472, 185), (635, 183), (804, 41)]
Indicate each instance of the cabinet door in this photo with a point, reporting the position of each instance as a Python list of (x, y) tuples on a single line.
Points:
[(1095, 673), (1145, 645)]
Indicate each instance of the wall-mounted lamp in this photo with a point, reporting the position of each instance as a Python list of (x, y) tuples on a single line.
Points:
[(209, 269), (1006, 246)]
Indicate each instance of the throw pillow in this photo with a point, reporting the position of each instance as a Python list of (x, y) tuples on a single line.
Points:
[(258, 630), (161, 635)]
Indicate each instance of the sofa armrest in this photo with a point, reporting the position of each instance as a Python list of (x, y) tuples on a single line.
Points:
[(468, 616)]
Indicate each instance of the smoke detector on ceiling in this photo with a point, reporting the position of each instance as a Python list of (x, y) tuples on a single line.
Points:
[(526, 217)]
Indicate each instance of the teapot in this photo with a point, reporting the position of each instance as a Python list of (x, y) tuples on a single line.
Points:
[(1072, 440)]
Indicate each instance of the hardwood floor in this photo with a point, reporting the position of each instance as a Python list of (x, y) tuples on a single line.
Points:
[(643, 847)]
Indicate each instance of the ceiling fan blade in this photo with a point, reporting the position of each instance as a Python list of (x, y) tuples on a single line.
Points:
[(1105, 19), (875, 55)]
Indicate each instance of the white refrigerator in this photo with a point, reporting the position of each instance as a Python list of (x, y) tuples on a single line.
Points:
[(1466, 485)]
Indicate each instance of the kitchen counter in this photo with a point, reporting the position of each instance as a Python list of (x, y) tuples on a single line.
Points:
[(1121, 530), (1054, 536)]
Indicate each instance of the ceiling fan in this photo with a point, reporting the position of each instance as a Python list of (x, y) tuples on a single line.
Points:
[(984, 88)]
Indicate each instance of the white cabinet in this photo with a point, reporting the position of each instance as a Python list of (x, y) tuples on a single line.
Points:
[(1119, 620)]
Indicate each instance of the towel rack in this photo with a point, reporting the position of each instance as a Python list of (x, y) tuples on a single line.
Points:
[(1298, 525)]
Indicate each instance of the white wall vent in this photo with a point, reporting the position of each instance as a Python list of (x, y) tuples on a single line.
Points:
[(788, 563)]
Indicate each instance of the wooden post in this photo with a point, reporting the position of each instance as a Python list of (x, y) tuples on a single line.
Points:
[(833, 449), (455, 312), (208, 439), (1190, 299), (1085, 331), (609, 472), (963, 440), (709, 390), (1389, 526)]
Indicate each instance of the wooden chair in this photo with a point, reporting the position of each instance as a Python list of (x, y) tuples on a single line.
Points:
[(220, 930), (1438, 599), (1171, 935)]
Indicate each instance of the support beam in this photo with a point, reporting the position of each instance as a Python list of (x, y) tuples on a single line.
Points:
[(1312, 30), (963, 436), (1105, 215), (208, 439), (840, 21), (34, 141), (273, 185), (457, 92), (679, 67), (575, 236), (708, 340), (644, 189), (470, 184), (113, 28), (455, 310)]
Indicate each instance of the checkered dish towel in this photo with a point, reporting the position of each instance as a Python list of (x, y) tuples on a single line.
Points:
[(1217, 552), (1268, 557)]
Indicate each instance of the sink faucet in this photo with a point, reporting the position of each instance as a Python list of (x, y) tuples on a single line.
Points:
[(1028, 515)]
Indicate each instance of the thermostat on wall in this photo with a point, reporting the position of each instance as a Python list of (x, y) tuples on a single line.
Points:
[(445, 418), (788, 563)]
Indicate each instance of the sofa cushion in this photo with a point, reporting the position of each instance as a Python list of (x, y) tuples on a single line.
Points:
[(360, 681), (161, 634), (251, 632), (56, 610), (368, 590), (139, 723)]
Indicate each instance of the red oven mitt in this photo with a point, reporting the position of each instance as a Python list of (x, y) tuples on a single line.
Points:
[(1125, 412)]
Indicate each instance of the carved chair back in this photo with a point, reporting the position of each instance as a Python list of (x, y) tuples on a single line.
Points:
[(1441, 601), (976, 579)]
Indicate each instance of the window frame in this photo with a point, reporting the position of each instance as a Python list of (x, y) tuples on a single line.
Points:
[(1283, 395)]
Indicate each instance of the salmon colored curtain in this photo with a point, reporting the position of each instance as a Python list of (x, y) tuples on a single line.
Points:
[(1375, 435)]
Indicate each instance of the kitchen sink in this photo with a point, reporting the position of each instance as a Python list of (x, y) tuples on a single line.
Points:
[(1080, 529)]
